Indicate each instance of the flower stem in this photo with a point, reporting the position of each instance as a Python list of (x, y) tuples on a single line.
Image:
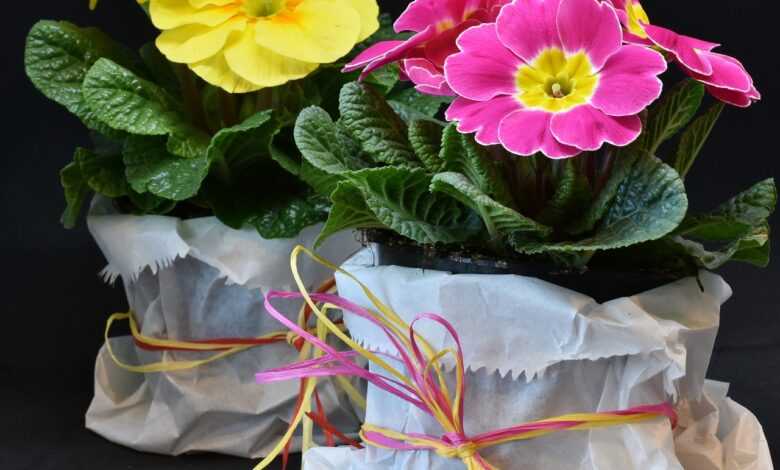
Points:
[(191, 96)]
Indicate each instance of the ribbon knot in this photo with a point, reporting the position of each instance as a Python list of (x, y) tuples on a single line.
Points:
[(459, 446), (294, 339)]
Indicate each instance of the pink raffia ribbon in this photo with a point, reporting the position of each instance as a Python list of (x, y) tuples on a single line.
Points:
[(422, 382)]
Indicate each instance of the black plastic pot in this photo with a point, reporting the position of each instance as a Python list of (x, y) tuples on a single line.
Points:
[(601, 284)]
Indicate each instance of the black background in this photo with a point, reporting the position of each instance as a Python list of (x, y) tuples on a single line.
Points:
[(53, 305)]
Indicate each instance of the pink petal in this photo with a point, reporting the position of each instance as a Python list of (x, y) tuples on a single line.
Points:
[(485, 68), (526, 132), (629, 81), (735, 98), (427, 78), (727, 73), (527, 27), (443, 45), (482, 117), (375, 52), (685, 49), (589, 26), (400, 51), (588, 128), (420, 14)]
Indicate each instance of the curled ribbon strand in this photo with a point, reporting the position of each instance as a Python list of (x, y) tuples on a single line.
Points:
[(422, 382)]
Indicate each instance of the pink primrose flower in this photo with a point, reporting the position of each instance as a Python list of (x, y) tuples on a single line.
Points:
[(552, 76)]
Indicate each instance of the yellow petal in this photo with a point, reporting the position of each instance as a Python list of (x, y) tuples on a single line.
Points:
[(262, 66), (318, 31), (369, 17), (169, 14), (216, 71), (193, 43), (203, 3)]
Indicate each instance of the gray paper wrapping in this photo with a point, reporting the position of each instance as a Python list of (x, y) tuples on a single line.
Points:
[(198, 279), (535, 350)]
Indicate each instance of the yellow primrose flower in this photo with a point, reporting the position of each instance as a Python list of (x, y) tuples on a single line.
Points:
[(245, 45)]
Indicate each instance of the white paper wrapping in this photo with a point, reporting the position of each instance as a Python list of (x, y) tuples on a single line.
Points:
[(198, 279), (534, 350)]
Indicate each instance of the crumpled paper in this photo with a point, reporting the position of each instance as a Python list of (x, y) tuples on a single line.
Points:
[(534, 350), (198, 279)]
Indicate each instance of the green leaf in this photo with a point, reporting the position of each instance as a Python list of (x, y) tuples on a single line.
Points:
[(426, 138), (670, 115), (385, 78), (400, 199), (462, 154), (572, 196), (349, 211), (289, 215), (321, 182), (371, 121), (76, 193), (499, 220), (754, 248), (643, 201), (735, 218), (148, 203), (151, 168), (325, 144), (57, 58), (103, 172), (129, 103), (245, 140), (694, 138), (412, 105)]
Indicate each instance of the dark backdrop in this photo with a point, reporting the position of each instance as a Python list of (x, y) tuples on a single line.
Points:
[(54, 306)]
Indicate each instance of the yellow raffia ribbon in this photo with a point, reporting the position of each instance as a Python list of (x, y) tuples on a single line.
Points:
[(427, 388)]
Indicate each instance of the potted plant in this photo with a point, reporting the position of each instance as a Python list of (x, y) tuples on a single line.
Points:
[(548, 222), (199, 195)]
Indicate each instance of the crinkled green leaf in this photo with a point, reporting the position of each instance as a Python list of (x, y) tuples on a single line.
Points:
[(400, 199), (76, 192), (752, 248), (378, 129), (129, 103), (287, 216), (385, 78), (151, 168), (349, 211), (247, 139), (644, 200), (322, 183), (426, 137), (103, 172), (499, 220), (694, 138), (412, 105), (326, 144), (572, 196), (735, 218), (670, 115), (462, 154), (57, 58)]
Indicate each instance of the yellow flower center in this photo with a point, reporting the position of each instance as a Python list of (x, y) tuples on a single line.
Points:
[(556, 82), (637, 17), (262, 8)]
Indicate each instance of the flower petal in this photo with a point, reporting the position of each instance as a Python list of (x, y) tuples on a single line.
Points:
[(262, 66), (727, 73), (485, 68), (735, 98), (169, 14), (482, 117), (373, 53), (193, 43), (316, 31), (527, 27), (589, 26), (391, 54), (685, 49), (629, 81), (427, 77), (588, 128), (526, 132), (420, 14), (369, 17), (216, 71)]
